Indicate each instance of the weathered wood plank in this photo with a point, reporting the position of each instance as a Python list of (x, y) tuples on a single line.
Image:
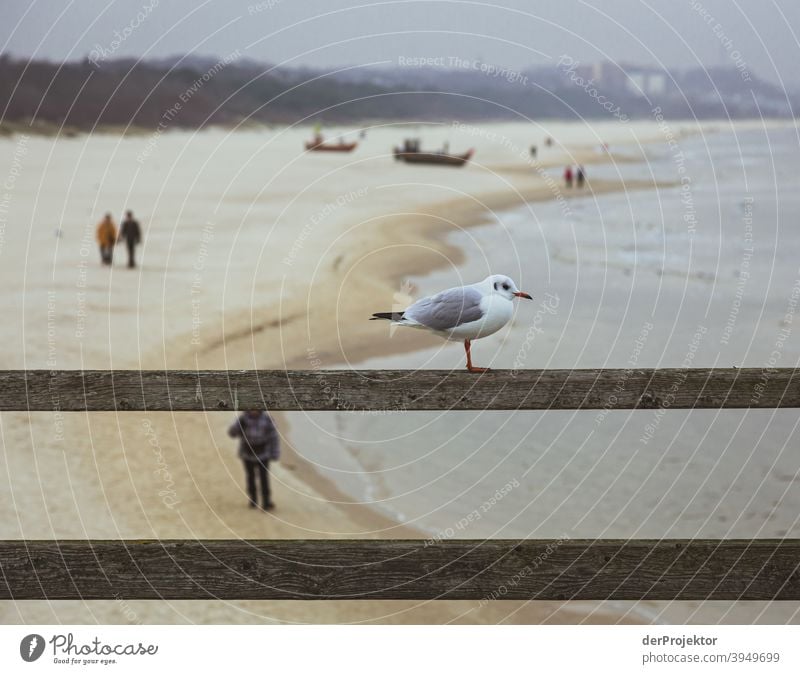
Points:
[(368, 569), (400, 390)]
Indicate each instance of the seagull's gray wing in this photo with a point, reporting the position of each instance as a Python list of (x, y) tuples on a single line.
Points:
[(447, 310)]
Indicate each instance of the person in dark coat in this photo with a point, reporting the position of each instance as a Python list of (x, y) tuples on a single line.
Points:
[(258, 445), (132, 233), (580, 176)]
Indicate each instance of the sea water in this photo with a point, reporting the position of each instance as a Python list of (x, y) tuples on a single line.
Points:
[(702, 271)]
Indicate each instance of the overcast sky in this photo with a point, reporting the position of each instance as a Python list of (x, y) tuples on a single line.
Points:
[(332, 33)]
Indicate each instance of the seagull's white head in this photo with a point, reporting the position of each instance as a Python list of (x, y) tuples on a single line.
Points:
[(502, 285)]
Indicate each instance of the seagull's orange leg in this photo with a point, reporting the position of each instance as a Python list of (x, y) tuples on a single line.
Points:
[(470, 367)]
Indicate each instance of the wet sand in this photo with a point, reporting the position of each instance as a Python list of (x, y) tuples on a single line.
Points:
[(218, 288)]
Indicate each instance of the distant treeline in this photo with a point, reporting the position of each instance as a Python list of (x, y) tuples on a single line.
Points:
[(120, 93), (196, 92)]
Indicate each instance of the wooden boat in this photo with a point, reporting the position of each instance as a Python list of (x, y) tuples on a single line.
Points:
[(411, 153), (318, 144)]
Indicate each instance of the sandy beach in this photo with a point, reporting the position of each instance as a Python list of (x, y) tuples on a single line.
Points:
[(256, 255)]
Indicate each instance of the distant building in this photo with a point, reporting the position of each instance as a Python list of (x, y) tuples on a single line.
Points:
[(635, 80), (608, 75), (647, 81)]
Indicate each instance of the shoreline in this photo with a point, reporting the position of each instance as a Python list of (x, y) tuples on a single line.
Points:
[(428, 227), (46, 129), (361, 267)]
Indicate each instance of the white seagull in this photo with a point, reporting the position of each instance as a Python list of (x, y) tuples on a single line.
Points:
[(464, 313)]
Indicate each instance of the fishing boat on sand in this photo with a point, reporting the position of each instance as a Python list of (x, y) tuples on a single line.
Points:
[(318, 144), (411, 153)]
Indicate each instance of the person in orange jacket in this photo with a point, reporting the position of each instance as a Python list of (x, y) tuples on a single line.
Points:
[(106, 238)]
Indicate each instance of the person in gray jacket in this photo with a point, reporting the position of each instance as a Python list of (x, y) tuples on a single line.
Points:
[(258, 445)]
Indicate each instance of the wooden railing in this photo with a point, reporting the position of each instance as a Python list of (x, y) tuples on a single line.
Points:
[(759, 569), (402, 390)]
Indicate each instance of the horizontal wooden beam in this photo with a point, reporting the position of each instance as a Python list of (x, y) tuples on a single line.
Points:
[(397, 390), (561, 569)]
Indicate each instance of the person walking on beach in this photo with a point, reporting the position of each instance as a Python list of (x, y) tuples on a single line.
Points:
[(106, 238), (580, 176), (132, 233), (568, 176), (258, 445)]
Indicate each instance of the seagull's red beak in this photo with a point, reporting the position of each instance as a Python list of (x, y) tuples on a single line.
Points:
[(525, 295)]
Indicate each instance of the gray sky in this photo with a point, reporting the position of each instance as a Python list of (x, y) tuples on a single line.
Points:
[(331, 33)]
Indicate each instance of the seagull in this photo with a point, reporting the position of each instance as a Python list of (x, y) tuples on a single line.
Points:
[(463, 313)]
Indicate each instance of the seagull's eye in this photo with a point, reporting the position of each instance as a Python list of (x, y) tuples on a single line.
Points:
[(495, 286), (505, 286)]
